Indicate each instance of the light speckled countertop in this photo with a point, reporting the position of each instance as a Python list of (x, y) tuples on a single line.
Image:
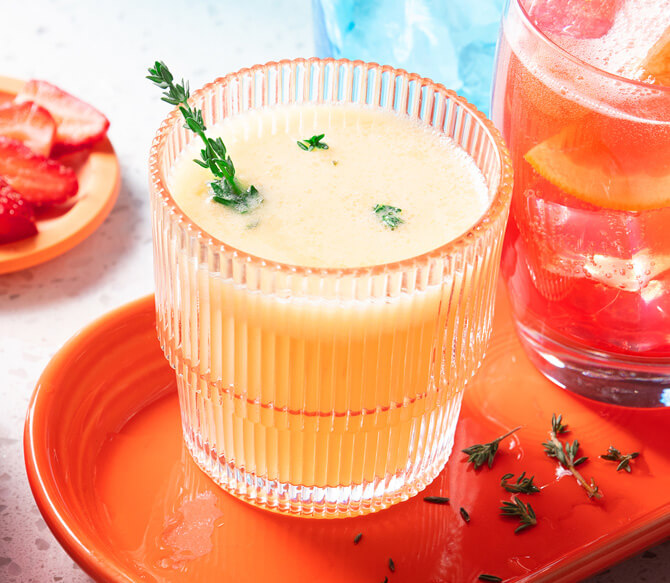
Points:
[(65, 41)]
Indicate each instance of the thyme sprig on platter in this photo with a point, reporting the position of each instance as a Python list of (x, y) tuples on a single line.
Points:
[(566, 454), (480, 454), (524, 512), (225, 189), (522, 485), (614, 455)]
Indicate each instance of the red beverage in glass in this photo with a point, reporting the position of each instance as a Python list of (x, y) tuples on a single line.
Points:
[(587, 250)]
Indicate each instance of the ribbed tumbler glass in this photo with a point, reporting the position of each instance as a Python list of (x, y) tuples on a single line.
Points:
[(325, 392)]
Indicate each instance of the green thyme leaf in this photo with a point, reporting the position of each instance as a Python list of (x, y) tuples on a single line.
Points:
[(524, 512), (480, 454), (242, 202), (388, 215), (522, 485), (313, 143), (436, 499), (614, 455)]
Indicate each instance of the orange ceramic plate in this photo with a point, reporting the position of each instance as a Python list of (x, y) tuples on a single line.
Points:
[(110, 474), (58, 232)]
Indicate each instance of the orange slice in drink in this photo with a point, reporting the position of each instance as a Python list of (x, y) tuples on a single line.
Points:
[(657, 63), (582, 166)]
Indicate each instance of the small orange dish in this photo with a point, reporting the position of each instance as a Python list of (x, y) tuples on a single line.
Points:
[(112, 478), (61, 228)]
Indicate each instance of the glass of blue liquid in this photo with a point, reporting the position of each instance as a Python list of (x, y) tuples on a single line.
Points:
[(451, 41)]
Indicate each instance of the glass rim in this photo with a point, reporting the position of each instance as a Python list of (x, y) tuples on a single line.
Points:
[(581, 63), (496, 207)]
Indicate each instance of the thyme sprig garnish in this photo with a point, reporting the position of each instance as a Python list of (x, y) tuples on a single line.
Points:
[(524, 512), (487, 577), (522, 485), (313, 143), (566, 454), (614, 455), (389, 215), (225, 190), (480, 454)]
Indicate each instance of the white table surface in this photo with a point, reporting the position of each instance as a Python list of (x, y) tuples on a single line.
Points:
[(100, 51)]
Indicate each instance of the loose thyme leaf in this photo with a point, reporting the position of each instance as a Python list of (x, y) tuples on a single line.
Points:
[(225, 189), (493, 578), (480, 454), (524, 512), (566, 454), (388, 215), (464, 514), (358, 538), (522, 485), (391, 566), (436, 499), (614, 455), (313, 143)]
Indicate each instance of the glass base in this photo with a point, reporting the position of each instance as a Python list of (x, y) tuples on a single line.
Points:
[(598, 375), (321, 466), (312, 501)]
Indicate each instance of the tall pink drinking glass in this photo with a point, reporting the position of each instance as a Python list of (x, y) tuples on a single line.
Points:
[(315, 391), (587, 252)]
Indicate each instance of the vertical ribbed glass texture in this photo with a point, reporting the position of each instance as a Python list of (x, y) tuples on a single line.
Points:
[(325, 392)]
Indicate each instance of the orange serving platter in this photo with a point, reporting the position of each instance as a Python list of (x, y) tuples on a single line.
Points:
[(63, 228), (111, 476)]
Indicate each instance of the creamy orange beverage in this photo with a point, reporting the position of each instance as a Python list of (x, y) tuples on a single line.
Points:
[(318, 206), (322, 337)]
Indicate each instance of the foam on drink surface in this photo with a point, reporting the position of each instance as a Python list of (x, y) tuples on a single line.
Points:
[(318, 207)]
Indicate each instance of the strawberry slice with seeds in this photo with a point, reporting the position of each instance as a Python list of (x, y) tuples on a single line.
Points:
[(79, 124), (38, 179), (30, 124), (17, 219)]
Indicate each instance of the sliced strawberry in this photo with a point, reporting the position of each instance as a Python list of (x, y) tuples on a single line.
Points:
[(78, 124), (575, 18), (30, 124), (38, 179), (17, 219)]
